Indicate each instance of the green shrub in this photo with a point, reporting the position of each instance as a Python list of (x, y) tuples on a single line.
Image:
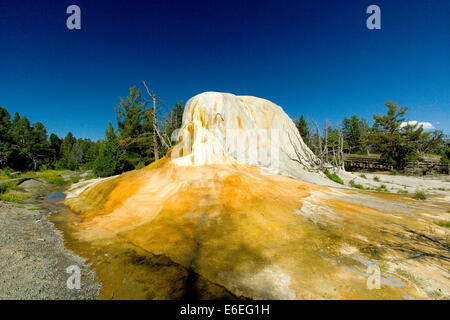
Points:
[(410, 277), (140, 165), (111, 159), (90, 176), (363, 176), (47, 175), (355, 185), (382, 188), (445, 224), (394, 172), (14, 186), (376, 179), (11, 185), (58, 180), (44, 167), (402, 191), (12, 197), (75, 179), (420, 195), (6, 173), (333, 176)]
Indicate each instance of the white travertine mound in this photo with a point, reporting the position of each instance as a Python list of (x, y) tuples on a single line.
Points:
[(221, 128)]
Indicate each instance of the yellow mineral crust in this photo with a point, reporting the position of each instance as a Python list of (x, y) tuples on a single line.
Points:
[(244, 229)]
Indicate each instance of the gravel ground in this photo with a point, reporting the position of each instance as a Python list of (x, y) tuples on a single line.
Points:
[(436, 185), (33, 259)]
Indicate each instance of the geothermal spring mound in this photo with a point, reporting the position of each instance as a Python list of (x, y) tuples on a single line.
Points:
[(234, 210)]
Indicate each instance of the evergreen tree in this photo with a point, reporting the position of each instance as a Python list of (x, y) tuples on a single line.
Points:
[(129, 116), (396, 143), (5, 137), (302, 127), (55, 145), (90, 151), (21, 136), (38, 146), (364, 137), (351, 130), (67, 160), (112, 158), (25, 147), (77, 152)]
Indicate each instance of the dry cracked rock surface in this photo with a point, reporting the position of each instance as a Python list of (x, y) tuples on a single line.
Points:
[(33, 260)]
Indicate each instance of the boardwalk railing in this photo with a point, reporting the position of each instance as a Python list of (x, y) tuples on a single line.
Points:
[(423, 167)]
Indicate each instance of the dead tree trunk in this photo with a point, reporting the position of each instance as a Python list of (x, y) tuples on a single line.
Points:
[(155, 130), (155, 141), (339, 156), (325, 149)]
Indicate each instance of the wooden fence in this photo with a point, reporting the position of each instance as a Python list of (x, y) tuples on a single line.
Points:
[(417, 167)]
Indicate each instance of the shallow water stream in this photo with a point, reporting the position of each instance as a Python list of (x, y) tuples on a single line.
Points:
[(126, 271)]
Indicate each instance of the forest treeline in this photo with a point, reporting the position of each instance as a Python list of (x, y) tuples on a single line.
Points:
[(390, 136), (141, 136)]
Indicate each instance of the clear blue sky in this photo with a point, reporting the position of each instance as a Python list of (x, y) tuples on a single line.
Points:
[(315, 58)]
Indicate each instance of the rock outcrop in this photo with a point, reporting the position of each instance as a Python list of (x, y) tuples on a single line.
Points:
[(221, 128)]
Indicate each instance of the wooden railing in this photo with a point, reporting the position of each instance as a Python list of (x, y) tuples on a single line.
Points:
[(372, 163)]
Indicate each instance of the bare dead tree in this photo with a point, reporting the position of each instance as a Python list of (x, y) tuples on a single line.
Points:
[(315, 163), (325, 148), (156, 132), (322, 149), (338, 153), (307, 160), (319, 140), (334, 157)]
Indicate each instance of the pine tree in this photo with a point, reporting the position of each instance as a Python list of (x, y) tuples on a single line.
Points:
[(5, 137), (396, 143), (303, 129), (67, 160), (129, 116), (21, 135), (351, 130), (112, 158), (55, 145), (38, 146), (364, 137)]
